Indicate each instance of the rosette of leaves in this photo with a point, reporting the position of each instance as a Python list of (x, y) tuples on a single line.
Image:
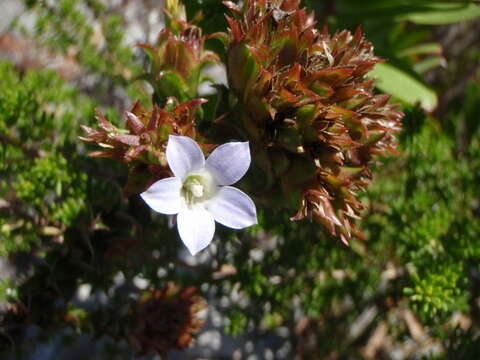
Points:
[(142, 143), (178, 57), (166, 319), (308, 109)]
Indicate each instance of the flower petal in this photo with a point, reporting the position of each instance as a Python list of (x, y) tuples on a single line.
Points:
[(233, 208), (229, 162), (196, 228), (184, 155), (164, 196)]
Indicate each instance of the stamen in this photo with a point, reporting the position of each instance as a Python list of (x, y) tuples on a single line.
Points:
[(197, 188)]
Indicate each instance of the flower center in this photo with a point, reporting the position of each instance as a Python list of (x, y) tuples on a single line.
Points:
[(197, 188)]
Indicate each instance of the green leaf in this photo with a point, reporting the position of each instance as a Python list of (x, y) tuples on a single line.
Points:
[(422, 49), (428, 64), (172, 84), (404, 86), (441, 13), (242, 59)]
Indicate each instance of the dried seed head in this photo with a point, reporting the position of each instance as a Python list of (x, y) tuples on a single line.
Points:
[(166, 320)]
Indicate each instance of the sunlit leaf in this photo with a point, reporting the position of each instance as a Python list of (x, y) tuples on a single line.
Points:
[(444, 13), (428, 64), (422, 49), (403, 86)]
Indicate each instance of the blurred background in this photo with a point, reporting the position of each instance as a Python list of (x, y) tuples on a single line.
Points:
[(77, 256)]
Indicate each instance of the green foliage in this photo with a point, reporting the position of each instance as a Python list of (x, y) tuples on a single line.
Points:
[(431, 216), (237, 322), (8, 292), (438, 291), (409, 53), (53, 188), (38, 109), (44, 191), (396, 82), (98, 47)]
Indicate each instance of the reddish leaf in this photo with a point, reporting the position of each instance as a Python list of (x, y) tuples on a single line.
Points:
[(132, 140), (134, 124), (153, 122), (104, 124), (101, 153), (331, 76)]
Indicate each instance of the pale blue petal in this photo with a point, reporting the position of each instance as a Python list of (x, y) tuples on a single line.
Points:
[(196, 228), (184, 156), (229, 162), (164, 196), (233, 208)]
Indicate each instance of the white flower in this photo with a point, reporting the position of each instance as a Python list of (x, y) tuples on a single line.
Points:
[(199, 192)]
